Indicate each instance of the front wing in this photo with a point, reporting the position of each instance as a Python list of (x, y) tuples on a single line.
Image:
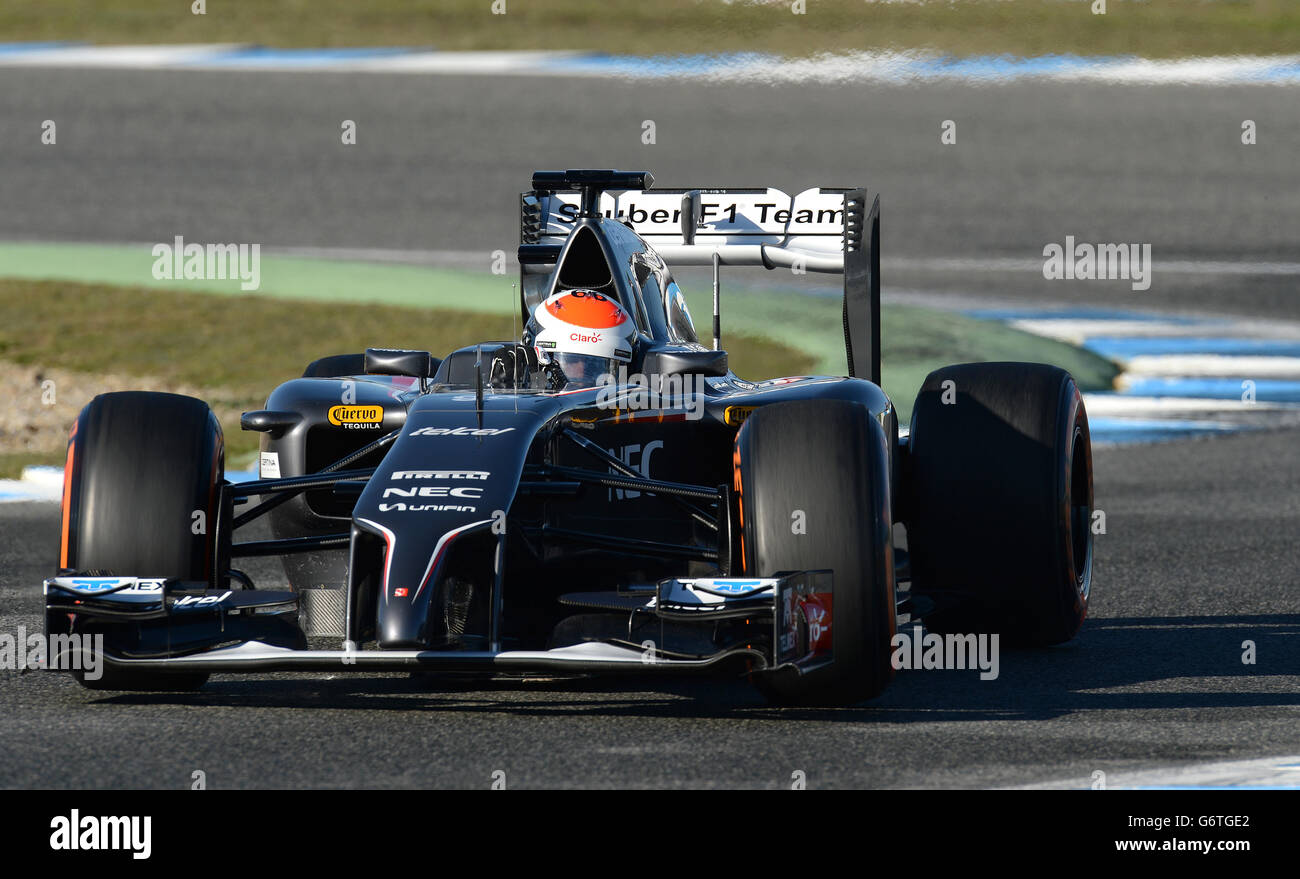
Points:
[(798, 606)]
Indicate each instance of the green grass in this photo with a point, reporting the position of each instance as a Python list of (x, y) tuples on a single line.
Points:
[(283, 277), (12, 463), (237, 348), (1153, 28)]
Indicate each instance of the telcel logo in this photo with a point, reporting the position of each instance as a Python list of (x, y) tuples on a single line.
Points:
[(200, 601), (460, 431)]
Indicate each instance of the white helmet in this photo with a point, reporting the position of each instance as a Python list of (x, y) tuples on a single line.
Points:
[(581, 335)]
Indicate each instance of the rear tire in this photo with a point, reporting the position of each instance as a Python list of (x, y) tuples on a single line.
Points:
[(1000, 501), (830, 460), (141, 468)]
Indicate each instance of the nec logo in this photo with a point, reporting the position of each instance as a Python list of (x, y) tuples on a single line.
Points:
[(584, 337), (435, 491)]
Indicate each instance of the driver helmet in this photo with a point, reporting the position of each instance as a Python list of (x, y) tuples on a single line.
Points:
[(580, 336)]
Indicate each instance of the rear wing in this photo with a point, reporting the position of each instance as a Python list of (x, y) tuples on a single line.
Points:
[(818, 230)]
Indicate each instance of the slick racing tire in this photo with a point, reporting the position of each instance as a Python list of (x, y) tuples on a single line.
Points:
[(143, 473), (1000, 501), (829, 461)]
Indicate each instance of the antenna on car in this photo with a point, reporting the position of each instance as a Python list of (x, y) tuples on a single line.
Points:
[(717, 310), (478, 381), (517, 334)]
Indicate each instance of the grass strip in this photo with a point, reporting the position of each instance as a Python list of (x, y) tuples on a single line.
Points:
[(1151, 28)]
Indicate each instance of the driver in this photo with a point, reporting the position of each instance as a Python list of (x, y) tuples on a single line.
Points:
[(572, 339)]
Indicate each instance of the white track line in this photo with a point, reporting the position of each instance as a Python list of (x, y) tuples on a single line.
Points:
[(37, 484), (476, 63), (1211, 366), (870, 66), (1283, 772), (1077, 330), (128, 57), (1123, 406)]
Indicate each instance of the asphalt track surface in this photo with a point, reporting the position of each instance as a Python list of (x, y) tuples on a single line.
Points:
[(1199, 553), (439, 161), (1198, 557)]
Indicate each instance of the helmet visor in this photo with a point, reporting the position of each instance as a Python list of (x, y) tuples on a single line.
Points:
[(583, 370)]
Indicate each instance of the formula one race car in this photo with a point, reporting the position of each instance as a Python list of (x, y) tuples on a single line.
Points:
[(601, 495)]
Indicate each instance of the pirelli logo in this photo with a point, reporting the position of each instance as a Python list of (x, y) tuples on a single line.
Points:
[(356, 416)]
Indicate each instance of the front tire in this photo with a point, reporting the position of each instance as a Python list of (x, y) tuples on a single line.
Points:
[(829, 461), (143, 473)]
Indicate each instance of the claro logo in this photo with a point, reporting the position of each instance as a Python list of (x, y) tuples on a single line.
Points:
[(584, 337)]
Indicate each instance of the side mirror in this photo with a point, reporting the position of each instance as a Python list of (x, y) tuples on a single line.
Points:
[(269, 421), (539, 254), (687, 362), (396, 361)]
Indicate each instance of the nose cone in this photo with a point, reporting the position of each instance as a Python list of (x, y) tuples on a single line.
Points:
[(416, 610), (404, 621), (452, 473)]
